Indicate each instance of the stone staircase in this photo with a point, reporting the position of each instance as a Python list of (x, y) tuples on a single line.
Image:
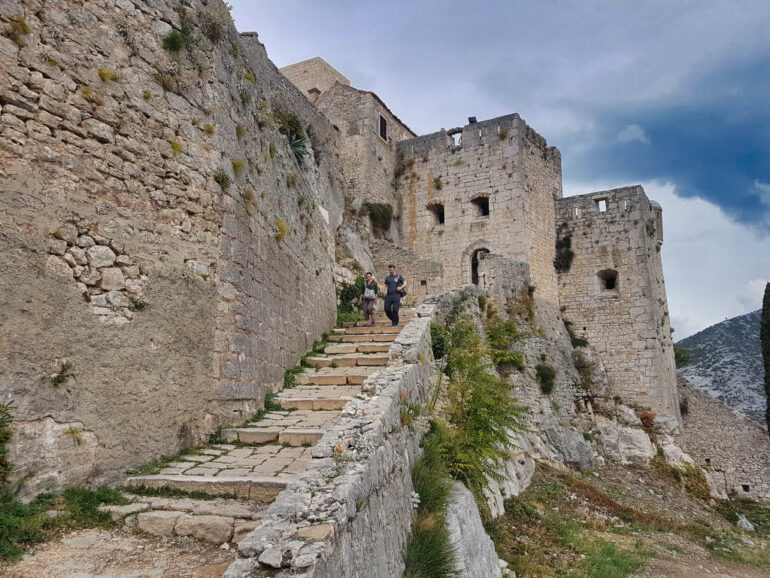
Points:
[(260, 458)]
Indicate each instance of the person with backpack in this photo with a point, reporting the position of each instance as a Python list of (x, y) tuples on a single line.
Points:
[(396, 289), (369, 298)]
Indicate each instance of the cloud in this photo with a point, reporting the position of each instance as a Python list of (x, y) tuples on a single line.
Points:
[(633, 133), (763, 190), (713, 265)]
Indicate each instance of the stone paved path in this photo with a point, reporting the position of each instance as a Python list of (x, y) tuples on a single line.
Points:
[(262, 457)]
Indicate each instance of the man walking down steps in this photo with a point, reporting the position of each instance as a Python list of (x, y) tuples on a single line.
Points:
[(396, 289)]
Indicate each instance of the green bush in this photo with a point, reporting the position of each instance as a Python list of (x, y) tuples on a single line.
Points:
[(682, 356), (564, 254), (349, 294), (177, 40), (546, 376), (438, 338)]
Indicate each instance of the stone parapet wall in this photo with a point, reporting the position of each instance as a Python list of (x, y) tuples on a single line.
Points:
[(167, 300), (732, 448), (350, 513), (628, 325)]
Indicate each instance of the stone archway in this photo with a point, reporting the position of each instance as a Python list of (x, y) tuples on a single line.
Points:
[(475, 252)]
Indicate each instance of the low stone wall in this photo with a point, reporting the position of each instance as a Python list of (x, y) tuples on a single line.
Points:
[(350, 513), (732, 448)]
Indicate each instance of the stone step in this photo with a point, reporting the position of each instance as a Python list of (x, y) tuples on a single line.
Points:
[(372, 330), (314, 403), (335, 376), (257, 489), (349, 359), (295, 437), (242, 509), (363, 338), (344, 348)]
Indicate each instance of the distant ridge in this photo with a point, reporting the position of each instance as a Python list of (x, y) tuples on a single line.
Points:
[(727, 363)]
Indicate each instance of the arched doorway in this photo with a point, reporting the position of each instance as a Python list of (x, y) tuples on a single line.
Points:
[(471, 257), (476, 258)]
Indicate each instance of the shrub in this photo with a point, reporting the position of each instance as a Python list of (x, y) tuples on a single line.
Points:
[(146, 94), (6, 435), (584, 368), (167, 82), (438, 339), (107, 75), (176, 146), (249, 77), (208, 128), (349, 293), (280, 229), (546, 376), (176, 40), (381, 215), (438, 184), (222, 179), (211, 21), (239, 166), (682, 356), (19, 29), (240, 130), (503, 134)]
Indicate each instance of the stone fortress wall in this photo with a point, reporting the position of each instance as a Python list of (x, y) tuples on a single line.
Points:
[(165, 303), (614, 294), (491, 191), (727, 444)]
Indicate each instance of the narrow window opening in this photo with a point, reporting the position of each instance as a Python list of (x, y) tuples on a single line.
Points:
[(708, 461), (423, 283), (481, 206), (437, 210), (577, 211), (457, 139), (602, 204), (745, 487), (383, 128), (608, 280)]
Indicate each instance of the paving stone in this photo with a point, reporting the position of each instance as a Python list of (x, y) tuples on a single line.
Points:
[(157, 523), (215, 529)]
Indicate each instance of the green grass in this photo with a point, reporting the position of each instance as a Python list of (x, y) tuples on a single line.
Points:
[(22, 525), (165, 492), (348, 318), (156, 465)]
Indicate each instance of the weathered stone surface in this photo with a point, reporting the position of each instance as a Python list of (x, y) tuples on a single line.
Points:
[(157, 523), (624, 444), (215, 529), (112, 279), (476, 556), (100, 256)]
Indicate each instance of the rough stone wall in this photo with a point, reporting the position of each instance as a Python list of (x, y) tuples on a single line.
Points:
[(628, 325), (368, 161), (314, 73), (731, 447), (502, 160), (166, 304), (423, 277)]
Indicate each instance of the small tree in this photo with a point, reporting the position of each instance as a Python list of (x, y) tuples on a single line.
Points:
[(764, 338)]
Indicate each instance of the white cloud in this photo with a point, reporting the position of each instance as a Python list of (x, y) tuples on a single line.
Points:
[(715, 268), (763, 190), (633, 133)]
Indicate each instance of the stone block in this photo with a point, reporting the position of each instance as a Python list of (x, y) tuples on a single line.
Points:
[(215, 529), (241, 528), (157, 523), (100, 256), (317, 532), (112, 279)]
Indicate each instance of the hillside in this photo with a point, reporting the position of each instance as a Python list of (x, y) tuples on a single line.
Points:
[(727, 363)]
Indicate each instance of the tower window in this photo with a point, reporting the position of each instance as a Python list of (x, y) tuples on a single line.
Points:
[(745, 487), (313, 94), (437, 210), (383, 128), (608, 280), (602, 204), (481, 205)]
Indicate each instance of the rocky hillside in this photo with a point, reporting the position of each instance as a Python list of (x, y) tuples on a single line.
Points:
[(727, 363)]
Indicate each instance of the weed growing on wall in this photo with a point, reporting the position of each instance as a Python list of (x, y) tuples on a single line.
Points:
[(381, 215), (564, 254), (546, 377), (682, 356), (6, 435)]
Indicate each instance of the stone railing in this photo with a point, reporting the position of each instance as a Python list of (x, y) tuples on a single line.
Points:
[(350, 513)]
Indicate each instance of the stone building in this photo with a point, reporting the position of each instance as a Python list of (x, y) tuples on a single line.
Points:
[(494, 187)]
